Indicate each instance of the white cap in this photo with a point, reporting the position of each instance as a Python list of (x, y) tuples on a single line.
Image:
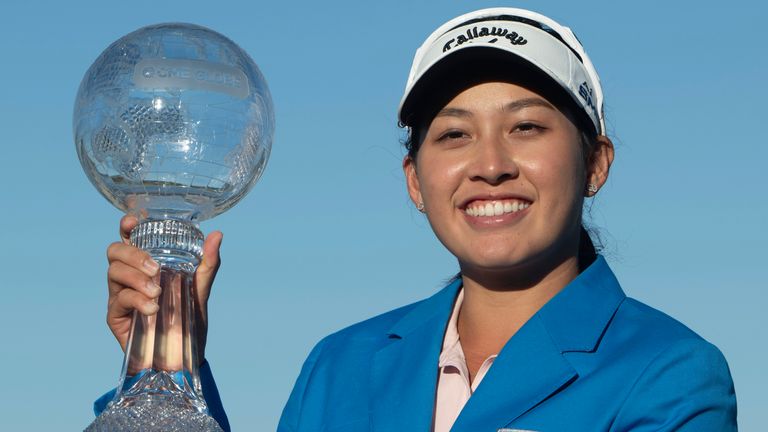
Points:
[(532, 37)]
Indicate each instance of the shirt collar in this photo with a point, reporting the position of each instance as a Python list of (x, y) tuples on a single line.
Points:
[(452, 353)]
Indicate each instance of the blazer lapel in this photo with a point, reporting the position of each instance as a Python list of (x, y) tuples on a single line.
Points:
[(532, 365), (404, 372), (528, 370)]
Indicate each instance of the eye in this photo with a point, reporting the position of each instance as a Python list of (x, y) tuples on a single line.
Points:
[(528, 128), (453, 134)]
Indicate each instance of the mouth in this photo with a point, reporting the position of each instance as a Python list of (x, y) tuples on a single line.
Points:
[(497, 207)]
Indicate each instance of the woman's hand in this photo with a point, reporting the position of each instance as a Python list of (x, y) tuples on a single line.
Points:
[(132, 279)]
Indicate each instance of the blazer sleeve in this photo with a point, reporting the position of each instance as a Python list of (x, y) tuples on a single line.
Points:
[(210, 394), (294, 408), (686, 388)]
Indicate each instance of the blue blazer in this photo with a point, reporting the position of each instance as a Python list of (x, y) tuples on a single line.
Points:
[(590, 360)]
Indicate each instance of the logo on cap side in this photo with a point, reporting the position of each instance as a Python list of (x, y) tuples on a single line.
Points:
[(513, 37), (586, 93)]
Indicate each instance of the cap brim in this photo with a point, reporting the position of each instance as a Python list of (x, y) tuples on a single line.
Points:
[(470, 66)]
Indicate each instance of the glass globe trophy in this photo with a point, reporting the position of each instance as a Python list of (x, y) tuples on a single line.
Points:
[(173, 123)]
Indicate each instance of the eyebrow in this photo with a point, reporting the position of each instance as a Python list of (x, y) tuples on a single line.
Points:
[(511, 106), (526, 103), (454, 112)]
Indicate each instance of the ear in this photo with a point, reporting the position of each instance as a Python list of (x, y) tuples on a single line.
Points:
[(600, 164), (412, 180)]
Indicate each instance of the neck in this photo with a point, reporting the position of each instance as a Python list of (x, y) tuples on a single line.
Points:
[(496, 305)]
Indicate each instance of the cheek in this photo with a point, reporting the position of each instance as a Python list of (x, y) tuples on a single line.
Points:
[(439, 178), (557, 175)]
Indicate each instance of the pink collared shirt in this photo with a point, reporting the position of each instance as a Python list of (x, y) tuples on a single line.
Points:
[(453, 388)]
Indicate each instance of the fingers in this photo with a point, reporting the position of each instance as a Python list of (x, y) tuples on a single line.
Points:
[(132, 277), (121, 276), (131, 281), (127, 300), (120, 309), (132, 256)]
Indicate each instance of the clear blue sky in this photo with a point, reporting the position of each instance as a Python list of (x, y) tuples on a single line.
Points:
[(328, 237)]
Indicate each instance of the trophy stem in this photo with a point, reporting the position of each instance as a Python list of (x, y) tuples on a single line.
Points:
[(159, 387)]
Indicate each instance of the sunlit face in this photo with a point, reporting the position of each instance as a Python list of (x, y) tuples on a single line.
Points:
[(502, 177)]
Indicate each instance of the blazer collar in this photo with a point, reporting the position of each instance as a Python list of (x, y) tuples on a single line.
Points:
[(404, 371), (438, 306), (578, 315), (530, 367)]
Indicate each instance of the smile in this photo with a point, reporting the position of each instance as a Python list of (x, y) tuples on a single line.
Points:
[(495, 208)]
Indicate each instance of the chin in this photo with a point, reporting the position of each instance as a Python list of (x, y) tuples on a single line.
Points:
[(520, 263), (496, 263)]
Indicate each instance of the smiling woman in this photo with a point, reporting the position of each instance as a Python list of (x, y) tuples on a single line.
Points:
[(506, 141), (501, 174)]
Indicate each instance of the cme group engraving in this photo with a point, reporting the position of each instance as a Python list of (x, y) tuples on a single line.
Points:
[(191, 74)]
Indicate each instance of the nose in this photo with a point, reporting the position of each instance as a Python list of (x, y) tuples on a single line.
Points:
[(493, 161)]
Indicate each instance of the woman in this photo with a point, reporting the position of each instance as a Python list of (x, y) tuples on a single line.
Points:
[(506, 139)]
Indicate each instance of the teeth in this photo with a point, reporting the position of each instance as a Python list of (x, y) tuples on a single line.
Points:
[(496, 208)]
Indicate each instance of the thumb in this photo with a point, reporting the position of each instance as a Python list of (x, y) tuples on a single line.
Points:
[(208, 267), (127, 223)]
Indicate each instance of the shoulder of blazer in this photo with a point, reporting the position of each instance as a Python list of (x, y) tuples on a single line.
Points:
[(380, 329)]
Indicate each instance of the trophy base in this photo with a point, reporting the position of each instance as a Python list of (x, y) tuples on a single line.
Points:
[(146, 415)]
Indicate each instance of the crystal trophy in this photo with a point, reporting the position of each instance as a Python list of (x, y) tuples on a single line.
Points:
[(172, 123)]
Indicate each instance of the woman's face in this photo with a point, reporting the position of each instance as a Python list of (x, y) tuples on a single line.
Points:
[(502, 177)]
